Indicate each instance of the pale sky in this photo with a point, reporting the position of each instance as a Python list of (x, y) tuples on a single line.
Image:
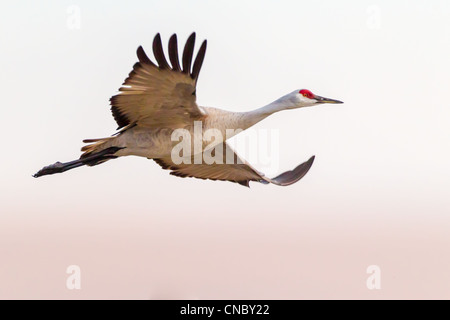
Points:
[(377, 193)]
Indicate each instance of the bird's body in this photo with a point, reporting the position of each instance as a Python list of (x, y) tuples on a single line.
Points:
[(156, 108), (157, 143)]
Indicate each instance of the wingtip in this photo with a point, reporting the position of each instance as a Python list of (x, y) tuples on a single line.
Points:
[(290, 177), (139, 50), (245, 183), (143, 58), (191, 38), (204, 44)]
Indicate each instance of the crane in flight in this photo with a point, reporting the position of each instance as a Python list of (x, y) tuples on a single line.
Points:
[(157, 99)]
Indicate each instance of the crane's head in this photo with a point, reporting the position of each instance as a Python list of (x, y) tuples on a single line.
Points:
[(306, 98), (301, 98)]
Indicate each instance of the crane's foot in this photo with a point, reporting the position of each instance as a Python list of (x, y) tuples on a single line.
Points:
[(58, 167)]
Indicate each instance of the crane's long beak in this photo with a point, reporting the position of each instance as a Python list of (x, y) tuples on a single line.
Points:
[(326, 100)]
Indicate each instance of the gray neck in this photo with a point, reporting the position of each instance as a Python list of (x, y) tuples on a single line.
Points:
[(250, 118)]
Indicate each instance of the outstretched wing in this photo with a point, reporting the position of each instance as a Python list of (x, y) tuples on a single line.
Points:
[(161, 95), (236, 170)]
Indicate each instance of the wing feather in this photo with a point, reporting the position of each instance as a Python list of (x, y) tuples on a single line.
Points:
[(159, 53), (188, 53), (173, 53), (160, 96), (199, 61), (238, 170), (143, 58)]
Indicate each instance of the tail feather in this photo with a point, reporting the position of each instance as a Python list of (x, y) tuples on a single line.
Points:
[(89, 159), (95, 145)]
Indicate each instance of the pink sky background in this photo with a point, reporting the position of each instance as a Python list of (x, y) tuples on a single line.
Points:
[(377, 194)]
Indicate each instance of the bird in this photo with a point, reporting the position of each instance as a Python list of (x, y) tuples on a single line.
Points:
[(157, 100)]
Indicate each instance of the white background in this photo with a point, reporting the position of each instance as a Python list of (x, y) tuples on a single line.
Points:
[(377, 193)]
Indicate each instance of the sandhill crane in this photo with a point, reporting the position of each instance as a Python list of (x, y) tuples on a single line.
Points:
[(157, 99)]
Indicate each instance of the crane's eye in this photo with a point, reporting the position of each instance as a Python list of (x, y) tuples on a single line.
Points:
[(306, 93)]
